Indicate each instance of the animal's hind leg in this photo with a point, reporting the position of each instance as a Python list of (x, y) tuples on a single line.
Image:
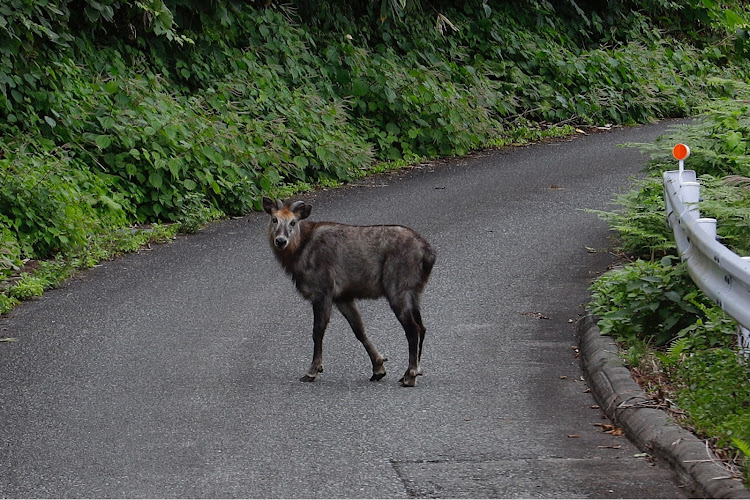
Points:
[(351, 313), (422, 332), (405, 312)]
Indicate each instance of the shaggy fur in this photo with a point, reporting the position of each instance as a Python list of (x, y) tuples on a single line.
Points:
[(333, 263)]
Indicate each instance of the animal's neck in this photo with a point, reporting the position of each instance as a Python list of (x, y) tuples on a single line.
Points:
[(287, 259)]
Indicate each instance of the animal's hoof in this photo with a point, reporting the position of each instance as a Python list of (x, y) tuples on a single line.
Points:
[(378, 370), (409, 379), (312, 373)]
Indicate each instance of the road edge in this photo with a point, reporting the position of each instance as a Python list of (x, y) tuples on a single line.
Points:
[(650, 429)]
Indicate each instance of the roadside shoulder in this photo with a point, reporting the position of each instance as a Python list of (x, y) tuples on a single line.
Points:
[(627, 406)]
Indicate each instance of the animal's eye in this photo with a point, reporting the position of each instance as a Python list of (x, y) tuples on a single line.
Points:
[(293, 223), (274, 220)]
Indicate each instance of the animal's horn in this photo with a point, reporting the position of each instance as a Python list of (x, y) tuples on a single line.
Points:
[(294, 206)]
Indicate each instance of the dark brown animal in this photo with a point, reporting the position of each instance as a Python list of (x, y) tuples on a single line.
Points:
[(333, 263)]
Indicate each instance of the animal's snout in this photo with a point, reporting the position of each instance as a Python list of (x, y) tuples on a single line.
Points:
[(280, 242)]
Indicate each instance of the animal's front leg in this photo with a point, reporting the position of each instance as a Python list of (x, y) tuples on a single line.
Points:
[(321, 316)]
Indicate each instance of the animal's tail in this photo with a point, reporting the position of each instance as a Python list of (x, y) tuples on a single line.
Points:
[(428, 260)]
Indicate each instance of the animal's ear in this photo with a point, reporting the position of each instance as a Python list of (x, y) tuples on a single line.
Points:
[(270, 206), (302, 209)]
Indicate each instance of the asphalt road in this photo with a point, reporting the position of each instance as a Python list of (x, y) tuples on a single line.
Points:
[(174, 372)]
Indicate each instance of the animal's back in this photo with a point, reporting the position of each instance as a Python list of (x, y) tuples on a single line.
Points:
[(362, 260)]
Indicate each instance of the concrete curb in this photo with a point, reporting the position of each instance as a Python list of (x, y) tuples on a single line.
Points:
[(622, 400)]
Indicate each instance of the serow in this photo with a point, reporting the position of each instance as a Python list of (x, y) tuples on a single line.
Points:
[(332, 263)]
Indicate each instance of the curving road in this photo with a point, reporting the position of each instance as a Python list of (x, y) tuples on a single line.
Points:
[(174, 372)]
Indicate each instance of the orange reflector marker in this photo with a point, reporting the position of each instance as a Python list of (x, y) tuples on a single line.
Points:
[(681, 152)]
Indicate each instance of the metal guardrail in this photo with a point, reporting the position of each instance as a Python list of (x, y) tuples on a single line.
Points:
[(722, 275)]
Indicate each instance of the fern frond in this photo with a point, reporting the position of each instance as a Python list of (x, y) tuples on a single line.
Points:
[(678, 348), (742, 445)]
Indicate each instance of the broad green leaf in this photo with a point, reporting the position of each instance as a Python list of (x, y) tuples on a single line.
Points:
[(360, 87), (274, 176), (734, 141), (170, 131), (175, 167), (732, 18), (107, 122), (91, 14), (103, 141), (109, 203), (652, 279), (301, 161), (155, 179)]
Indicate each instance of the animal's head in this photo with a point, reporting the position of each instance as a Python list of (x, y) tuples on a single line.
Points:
[(284, 227)]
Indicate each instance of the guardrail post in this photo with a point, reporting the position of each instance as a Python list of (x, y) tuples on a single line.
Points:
[(743, 340), (708, 225), (691, 196), (743, 334)]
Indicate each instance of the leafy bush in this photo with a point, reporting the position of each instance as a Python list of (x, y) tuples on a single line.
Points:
[(7, 303), (714, 391), (648, 301), (196, 212), (407, 109), (10, 251), (712, 328), (27, 287), (50, 203)]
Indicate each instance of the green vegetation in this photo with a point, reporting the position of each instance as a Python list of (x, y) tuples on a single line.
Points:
[(655, 302), (677, 340), (124, 114)]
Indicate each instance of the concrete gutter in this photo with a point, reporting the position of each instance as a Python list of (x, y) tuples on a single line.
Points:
[(651, 429)]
